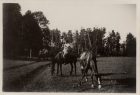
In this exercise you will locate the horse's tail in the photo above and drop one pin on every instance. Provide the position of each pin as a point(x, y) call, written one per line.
point(53, 66)
point(54, 60)
point(95, 61)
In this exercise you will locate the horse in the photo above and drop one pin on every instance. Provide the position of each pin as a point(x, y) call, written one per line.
point(65, 56)
point(88, 62)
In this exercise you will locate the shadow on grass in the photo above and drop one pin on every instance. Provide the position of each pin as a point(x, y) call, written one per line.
point(130, 82)
point(19, 66)
point(80, 75)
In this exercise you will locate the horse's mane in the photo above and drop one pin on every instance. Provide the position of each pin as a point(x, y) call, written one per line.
point(86, 54)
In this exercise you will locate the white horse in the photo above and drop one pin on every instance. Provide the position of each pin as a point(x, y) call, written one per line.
point(87, 62)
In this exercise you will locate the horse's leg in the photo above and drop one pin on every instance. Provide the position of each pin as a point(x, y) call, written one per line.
point(75, 66)
point(98, 78)
point(61, 69)
point(82, 71)
point(99, 82)
point(92, 74)
point(83, 75)
point(86, 73)
point(52, 67)
point(87, 67)
point(57, 68)
point(71, 68)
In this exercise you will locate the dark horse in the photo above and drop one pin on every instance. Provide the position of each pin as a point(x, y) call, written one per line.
point(66, 56)
point(88, 62)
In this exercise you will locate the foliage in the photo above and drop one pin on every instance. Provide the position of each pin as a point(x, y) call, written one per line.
point(55, 37)
point(130, 45)
point(43, 24)
point(27, 34)
point(32, 36)
point(113, 44)
point(11, 29)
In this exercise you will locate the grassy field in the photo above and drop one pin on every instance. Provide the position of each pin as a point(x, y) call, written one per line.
point(118, 75)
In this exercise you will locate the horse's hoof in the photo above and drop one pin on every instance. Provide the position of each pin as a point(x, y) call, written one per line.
point(99, 86)
point(92, 86)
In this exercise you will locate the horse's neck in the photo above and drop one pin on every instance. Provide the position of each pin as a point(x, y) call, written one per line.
point(86, 55)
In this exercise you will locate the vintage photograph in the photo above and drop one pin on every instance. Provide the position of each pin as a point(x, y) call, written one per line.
point(69, 46)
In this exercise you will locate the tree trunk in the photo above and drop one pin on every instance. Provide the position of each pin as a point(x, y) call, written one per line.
point(30, 56)
point(89, 41)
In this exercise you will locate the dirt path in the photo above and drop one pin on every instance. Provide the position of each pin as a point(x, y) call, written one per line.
point(15, 79)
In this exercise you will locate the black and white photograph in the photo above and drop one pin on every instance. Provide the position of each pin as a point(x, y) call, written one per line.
point(69, 46)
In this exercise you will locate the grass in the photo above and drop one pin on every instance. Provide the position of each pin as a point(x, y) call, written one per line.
point(118, 75)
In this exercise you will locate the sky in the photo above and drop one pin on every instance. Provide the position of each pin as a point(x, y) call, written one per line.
point(74, 15)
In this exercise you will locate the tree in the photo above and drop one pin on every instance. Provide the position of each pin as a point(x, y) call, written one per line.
point(113, 44)
point(95, 39)
point(55, 37)
point(41, 19)
point(43, 24)
point(100, 40)
point(82, 40)
point(11, 29)
point(123, 48)
point(69, 37)
point(117, 43)
point(130, 45)
point(76, 40)
point(92, 39)
point(32, 34)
